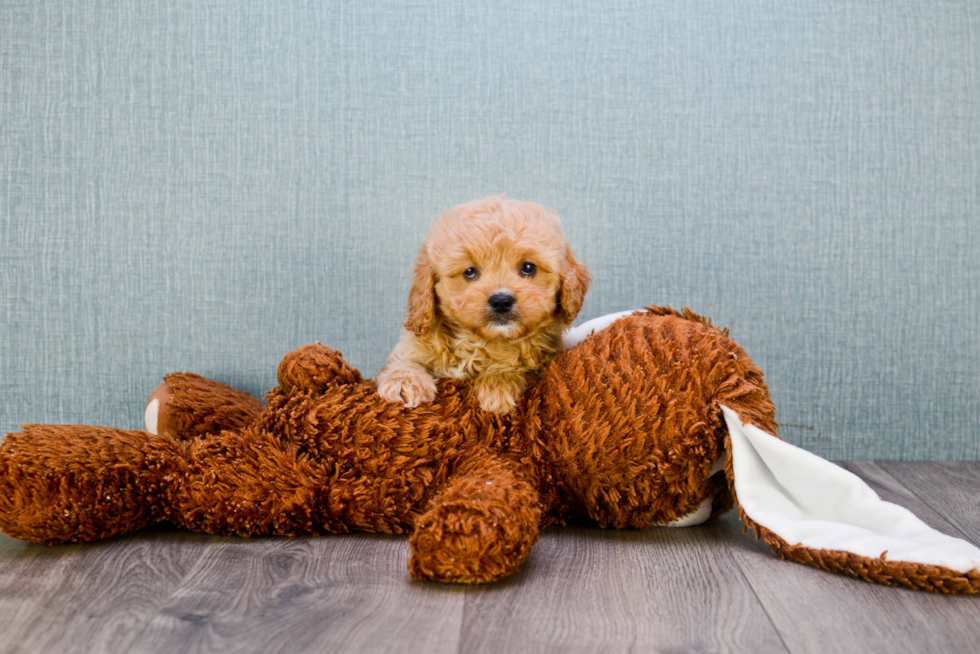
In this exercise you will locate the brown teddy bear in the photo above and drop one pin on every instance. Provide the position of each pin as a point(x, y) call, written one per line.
point(632, 427)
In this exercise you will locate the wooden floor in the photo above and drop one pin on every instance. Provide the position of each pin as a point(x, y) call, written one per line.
point(699, 589)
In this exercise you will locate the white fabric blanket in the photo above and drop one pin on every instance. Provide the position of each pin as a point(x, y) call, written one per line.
point(809, 501)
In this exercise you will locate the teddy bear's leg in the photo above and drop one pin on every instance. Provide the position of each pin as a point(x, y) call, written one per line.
point(480, 527)
point(70, 483)
point(246, 482)
point(188, 405)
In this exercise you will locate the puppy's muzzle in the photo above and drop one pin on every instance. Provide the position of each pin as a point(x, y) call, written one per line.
point(501, 303)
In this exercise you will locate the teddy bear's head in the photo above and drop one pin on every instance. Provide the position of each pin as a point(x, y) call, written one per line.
point(627, 446)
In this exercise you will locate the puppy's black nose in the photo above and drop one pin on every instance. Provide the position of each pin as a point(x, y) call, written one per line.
point(501, 303)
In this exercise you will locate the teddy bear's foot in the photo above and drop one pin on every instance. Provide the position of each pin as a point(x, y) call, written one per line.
point(187, 405)
point(71, 483)
point(480, 528)
point(158, 422)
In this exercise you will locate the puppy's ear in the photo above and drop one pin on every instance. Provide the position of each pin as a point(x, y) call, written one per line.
point(575, 281)
point(422, 296)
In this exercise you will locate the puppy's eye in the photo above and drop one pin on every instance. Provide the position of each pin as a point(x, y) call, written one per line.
point(471, 273)
point(528, 268)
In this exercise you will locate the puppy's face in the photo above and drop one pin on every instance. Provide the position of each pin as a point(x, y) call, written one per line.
point(501, 269)
point(493, 286)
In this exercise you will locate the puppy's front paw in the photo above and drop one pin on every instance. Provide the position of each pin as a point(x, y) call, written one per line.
point(410, 387)
point(499, 399)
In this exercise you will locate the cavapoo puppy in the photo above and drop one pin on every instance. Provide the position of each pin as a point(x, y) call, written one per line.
point(494, 286)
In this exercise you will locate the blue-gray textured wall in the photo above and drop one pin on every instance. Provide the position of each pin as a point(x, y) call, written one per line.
point(205, 185)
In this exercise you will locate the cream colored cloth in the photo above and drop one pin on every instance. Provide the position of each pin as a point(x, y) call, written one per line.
point(809, 501)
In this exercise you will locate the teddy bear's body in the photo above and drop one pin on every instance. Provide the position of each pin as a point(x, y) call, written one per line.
point(623, 430)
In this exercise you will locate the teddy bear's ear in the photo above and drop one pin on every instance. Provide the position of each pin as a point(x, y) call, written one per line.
point(421, 296)
point(575, 281)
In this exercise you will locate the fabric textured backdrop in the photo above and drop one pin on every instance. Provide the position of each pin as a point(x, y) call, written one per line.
point(206, 185)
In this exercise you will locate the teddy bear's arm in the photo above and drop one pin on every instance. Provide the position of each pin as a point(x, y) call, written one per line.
point(314, 367)
point(481, 526)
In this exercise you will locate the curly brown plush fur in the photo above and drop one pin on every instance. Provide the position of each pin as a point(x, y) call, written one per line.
point(623, 430)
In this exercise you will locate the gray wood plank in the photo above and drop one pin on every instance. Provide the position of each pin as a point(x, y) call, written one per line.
point(704, 588)
point(330, 594)
point(816, 611)
point(951, 488)
point(27, 574)
point(591, 590)
point(89, 597)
